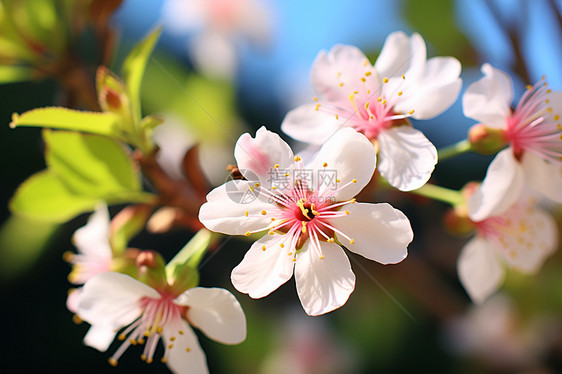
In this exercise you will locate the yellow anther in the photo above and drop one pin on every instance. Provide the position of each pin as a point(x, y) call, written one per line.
point(290, 254)
point(303, 229)
point(159, 330)
point(338, 180)
point(140, 341)
point(559, 126)
point(149, 360)
point(347, 212)
point(170, 346)
point(385, 80)
point(163, 360)
point(112, 362)
point(399, 93)
point(384, 102)
point(276, 166)
point(282, 245)
point(263, 248)
point(325, 164)
point(172, 338)
point(297, 159)
point(246, 213)
point(549, 110)
point(548, 91)
point(331, 240)
point(543, 77)
point(379, 99)
point(371, 116)
point(366, 63)
point(317, 107)
point(294, 260)
point(122, 337)
point(351, 241)
point(337, 117)
point(353, 201)
point(411, 111)
point(133, 341)
point(272, 219)
point(271, 233)
point(363, 79)
point(367, 105)
point(76, 319)
point(274, 187)
point(341, 84)
point(257, 185)
point(355, 92)
point(354, 181)
point(143, 357)
point(547, 101)
point(529, 87)
point(247, 233)
point(368, 73)
point(368, 91)
point(251, 188)
point(339, 74)
point(315, 98)
point(321, 257)
point(286, 174)
point(188, 349)
point(68, 256)
point(403, 76)
point(556, 117)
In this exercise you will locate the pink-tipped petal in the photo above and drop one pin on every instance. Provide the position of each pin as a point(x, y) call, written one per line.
point(323, 284)
point(257, 156)
point(216, 312)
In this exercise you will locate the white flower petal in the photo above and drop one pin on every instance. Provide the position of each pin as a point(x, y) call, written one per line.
point(262, 272)
point(93, 238)
point(72, 299)
point(379, 231)
point(406, 157)
point(345, 65)
point(488, 99)
point(352, 156)
point(257, 156)
point(434, 91)
point(186, 355)
point(500, 189)
point(226, 207)
point(394, 58)
point(323, 284)
point(99, 337)
point(112, 300)
point(216, 312)
point(536, 237)
point(480, 272)
point(309, 125)
point(543, 176)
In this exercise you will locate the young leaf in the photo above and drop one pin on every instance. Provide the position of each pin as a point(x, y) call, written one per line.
point(90, 165)
point(133, 69)
point(44, 197)
point(105, 123)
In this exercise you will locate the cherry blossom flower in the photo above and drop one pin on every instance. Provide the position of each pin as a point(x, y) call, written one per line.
point(111, 301)
point(533, 132)
point(305, 212)
point(217, 25)
point(521, 238)
point(377, 101)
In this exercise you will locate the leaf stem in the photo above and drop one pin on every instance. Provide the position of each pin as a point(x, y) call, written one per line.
point(443, 194)
point(454, 150)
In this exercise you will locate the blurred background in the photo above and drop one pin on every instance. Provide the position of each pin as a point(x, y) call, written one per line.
point(225, 67)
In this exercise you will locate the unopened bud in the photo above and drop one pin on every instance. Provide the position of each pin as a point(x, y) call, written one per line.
point(146, 258)
point(457, 223)
point(486, 140)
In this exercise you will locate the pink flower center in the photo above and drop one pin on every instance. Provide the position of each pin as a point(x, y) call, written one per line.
point(158, 314)
point(533, 126)
point(300, 213)
point(370, 107)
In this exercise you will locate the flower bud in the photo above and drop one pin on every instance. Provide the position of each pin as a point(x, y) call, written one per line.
point(486, 140)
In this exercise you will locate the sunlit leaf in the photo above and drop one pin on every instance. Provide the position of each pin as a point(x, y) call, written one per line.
point(90, 165)
point(10, 74)
point(44, 197)
point(22, 242)
point(133, 69)
point(105, 123)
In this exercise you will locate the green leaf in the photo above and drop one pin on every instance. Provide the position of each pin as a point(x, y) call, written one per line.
point(126, 225)
point(91, 165)
point(10, 74)
point(44, 197)
point(133, 69)
point(105, 123)
point(22, 241)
